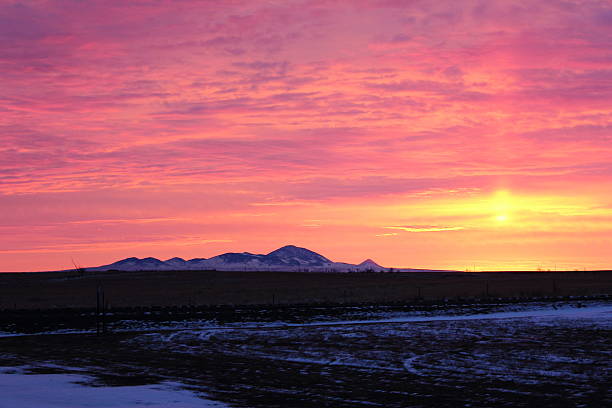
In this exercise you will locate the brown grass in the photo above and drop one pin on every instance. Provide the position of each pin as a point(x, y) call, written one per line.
point(129, 289)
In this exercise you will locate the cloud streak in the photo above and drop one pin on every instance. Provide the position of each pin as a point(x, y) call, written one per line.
point(316, 108)
point(425, 228)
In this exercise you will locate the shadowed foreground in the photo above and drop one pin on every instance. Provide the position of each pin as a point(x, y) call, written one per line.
point(146, 289)
point(546, 360)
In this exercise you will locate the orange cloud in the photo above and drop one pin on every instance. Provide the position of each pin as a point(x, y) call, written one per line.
point(364, 113)
point(425, 228)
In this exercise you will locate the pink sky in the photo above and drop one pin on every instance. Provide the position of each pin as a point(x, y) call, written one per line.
point(446, 134)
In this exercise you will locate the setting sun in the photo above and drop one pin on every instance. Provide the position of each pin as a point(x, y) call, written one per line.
point(501, 218)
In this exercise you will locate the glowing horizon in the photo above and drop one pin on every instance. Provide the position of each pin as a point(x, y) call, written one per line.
point(446, 135)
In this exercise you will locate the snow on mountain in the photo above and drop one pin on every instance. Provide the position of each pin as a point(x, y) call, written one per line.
point(296, 256)
point(369, 264)
point(131, 264)
point(176, 262)
point(287, 258)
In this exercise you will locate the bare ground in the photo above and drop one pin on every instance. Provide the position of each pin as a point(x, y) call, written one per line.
point(553, 361)
point(197, 288)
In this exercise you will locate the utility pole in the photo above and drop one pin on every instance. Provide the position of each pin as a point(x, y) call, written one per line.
point(103, 313)
point(98, 310)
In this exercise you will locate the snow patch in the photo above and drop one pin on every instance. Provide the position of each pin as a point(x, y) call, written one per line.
point(63, 391)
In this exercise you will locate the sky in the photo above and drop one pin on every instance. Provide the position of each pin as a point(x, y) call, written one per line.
point(466, 135)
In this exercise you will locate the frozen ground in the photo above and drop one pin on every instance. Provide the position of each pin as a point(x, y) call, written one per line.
point(555, 356)
point(71, 391)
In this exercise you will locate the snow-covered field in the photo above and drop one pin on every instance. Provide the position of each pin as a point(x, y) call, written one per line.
point(521, 355)
point(18, 390)
point(353, 343)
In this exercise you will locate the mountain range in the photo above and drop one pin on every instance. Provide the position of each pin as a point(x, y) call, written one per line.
point(287, 258)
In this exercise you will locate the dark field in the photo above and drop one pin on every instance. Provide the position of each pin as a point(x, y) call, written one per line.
point(192, 288)
point(540, 361)
point(301, 340)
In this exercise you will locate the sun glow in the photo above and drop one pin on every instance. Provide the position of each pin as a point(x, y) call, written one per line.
point(502, 205)
point(501, 218)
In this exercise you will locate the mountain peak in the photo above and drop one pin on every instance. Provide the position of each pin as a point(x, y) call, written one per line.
point(130, 259)
point(287, 248)
point(292, 250)
point(150, 258)
point(368, 263)
point(298, 255)
point(286, 258)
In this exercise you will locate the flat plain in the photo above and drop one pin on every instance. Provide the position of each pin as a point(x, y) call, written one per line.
point(240, 339)
point(175, 288)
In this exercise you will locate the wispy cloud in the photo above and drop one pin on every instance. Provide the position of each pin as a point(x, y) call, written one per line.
point(290, 203)
point(128, 220)
point(106, 245)
point(318, 109)
point(390, 234)
point(425, 228)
